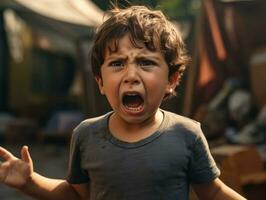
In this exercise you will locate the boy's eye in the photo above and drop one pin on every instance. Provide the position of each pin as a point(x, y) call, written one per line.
point(146, 63)
point(116, 64)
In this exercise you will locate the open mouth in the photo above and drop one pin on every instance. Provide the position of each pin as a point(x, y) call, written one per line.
point(133, 101)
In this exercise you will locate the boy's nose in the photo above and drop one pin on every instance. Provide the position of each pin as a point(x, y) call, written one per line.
point(131, 75)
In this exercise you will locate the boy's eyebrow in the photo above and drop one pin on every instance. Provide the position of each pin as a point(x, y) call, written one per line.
point(116, 56)
point(145, 53)
point(140, 55)
point(148, 57)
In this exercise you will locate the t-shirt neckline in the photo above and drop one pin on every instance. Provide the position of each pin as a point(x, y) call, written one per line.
point(142, 142)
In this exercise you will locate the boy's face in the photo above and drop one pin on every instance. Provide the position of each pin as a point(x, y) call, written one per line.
point(134, 81)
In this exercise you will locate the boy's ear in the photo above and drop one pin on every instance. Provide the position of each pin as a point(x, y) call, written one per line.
point(173, 81)
point(99, 81)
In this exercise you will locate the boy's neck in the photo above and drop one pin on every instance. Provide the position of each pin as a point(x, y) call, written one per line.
point(135, 132)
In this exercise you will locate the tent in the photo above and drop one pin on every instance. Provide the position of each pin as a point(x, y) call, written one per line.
point(65, 26)
point(68, 17)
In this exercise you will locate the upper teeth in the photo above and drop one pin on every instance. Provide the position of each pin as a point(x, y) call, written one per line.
point(131, 94)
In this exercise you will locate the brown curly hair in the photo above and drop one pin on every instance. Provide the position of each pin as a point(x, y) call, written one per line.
point(144, 25)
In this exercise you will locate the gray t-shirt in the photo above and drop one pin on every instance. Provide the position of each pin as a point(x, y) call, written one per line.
point(161, 166)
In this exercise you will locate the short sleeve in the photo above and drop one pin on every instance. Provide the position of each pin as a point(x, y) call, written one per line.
point(203, 168)
point(76, 175)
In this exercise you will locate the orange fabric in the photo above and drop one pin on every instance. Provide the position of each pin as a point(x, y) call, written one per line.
point(216, 34)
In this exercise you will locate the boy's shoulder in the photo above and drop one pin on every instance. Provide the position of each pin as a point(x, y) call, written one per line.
point(92, 125)
point(93, 122)
point(181, 119)
point(180, 122)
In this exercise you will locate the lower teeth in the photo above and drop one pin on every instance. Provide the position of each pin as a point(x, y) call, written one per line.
point(134, 108)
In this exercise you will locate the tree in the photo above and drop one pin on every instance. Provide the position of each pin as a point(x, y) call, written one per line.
point(106, 4)
point(179, 9)
point(174, 9)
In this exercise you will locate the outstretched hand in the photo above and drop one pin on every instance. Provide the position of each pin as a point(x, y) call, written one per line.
point(15, 172)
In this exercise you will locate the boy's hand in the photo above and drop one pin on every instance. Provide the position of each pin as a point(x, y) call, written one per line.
point(15, 172)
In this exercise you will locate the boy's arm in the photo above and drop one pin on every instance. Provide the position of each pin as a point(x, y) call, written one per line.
point(19, 174)
point(43, 188)
point(216, 190)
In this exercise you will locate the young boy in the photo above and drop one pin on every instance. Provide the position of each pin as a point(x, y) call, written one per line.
point(137, 151)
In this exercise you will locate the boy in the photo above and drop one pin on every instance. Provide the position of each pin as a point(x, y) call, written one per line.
point(137, 151)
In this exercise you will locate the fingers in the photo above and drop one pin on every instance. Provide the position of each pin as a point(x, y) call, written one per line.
point(6, 155)
point(25, 155)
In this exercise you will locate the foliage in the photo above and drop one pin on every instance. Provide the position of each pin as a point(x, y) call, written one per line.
point(106, 4)
point(174, 9)
point(179, 9)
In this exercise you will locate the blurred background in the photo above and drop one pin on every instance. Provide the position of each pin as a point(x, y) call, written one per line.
point(47, 87)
